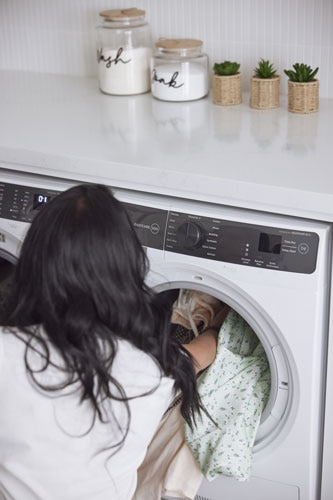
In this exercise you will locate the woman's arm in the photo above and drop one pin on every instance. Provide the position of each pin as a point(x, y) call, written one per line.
point(203, 348)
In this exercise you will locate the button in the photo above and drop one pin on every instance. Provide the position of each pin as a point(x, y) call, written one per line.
point(303, 248)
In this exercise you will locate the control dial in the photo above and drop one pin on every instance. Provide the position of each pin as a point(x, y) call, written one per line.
point(190, 235)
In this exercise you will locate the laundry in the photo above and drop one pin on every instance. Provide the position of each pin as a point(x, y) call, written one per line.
point(195, 310)
point(234, 390)
point(169, 468)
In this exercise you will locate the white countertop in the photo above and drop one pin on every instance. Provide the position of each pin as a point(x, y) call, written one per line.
point(269, 160)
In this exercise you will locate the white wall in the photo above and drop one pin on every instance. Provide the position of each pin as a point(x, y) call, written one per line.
point(57, 36)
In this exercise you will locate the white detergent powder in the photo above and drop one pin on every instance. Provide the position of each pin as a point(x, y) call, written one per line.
point(183, 82)
point(124, 72)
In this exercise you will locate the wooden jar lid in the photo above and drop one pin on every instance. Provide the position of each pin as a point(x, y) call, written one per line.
point(176, 44)
point(122, 14)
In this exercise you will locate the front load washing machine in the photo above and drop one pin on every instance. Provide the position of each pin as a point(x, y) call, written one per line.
point(273, 270)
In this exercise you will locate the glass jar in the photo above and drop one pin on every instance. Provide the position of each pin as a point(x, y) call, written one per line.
point(179, 70)
point(124, 49)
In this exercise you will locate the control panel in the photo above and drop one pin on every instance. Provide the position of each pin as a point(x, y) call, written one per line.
point(22, 203)
point(252, 245)
point(223, 240)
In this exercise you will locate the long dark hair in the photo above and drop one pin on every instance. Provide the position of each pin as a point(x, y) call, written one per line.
point(81, 275)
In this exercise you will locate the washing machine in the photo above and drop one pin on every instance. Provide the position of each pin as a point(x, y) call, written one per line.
point(273, 270)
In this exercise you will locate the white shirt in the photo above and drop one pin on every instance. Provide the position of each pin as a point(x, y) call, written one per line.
point(46, 449)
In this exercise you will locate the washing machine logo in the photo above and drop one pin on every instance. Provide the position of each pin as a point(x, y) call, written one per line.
point(155, 228)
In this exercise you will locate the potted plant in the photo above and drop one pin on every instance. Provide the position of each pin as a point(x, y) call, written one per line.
point(227, 84)
point(303, 89)
point(265, 86)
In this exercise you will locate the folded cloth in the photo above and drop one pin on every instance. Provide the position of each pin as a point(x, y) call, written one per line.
point(169, 467)
point(193, 308)
point(234, 390)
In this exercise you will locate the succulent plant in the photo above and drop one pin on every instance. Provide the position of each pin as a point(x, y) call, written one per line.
point(301, 73)
point(226, 68)
point(265, 69)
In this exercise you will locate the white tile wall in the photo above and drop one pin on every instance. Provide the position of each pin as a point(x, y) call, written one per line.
point(58, 36)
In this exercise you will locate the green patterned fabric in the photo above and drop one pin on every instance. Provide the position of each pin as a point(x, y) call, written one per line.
point(234, 390)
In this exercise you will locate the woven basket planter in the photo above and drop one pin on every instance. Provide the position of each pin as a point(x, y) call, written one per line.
point(227, 90)
point(303, 97)
point(265, 92)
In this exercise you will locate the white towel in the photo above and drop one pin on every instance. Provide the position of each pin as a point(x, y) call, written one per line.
point(169, 468)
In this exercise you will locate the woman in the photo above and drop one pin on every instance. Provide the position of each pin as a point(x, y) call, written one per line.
point(87, 364)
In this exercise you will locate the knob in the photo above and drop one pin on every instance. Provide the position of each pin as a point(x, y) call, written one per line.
point(190, 235)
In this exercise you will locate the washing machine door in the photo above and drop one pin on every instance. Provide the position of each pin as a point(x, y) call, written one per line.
point(278, 416)
point(282, 403)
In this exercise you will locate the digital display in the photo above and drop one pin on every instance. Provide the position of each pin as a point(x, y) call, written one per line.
point(270, 243)
point(40, 200)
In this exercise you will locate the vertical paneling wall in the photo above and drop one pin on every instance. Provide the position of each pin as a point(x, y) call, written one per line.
point(57, 36)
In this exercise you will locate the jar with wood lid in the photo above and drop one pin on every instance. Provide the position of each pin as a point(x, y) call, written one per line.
point(179, 70)
point(124, 50)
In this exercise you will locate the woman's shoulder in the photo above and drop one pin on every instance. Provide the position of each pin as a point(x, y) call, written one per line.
point(130, 355)
point(8, 336)
point(11, 351)
point(137, 369)
point(14, 342)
